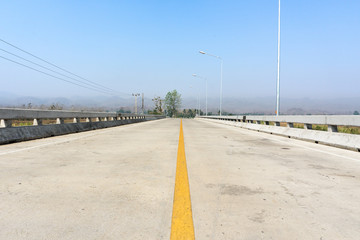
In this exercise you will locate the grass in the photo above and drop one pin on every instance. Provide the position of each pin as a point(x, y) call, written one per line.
point(351, 130)
point(341, 129)
point(298, 125)
point(320, 127)
point(21, 123)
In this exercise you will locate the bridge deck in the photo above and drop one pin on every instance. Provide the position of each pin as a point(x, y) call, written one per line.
point(118, 183)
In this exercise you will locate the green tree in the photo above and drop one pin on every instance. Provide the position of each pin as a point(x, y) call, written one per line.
point(172, 103)
point(187, 113)
point(191, 113)
point(356, 113)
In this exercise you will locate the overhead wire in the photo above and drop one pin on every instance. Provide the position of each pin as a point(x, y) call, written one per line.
point(39, 58)
point(37, 70)
point(50, 69)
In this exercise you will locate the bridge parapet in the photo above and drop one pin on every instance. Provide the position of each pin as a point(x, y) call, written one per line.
point(329, 120)
point(26, 124)
point(302, 127)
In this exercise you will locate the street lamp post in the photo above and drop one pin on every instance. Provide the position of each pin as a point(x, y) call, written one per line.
point(198, 106)
point(197, 103)
point(206, 93)
point(221, 74)
point(278, 69)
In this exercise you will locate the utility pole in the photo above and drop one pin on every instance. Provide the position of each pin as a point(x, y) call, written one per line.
point(136, 95)
point(142, 103)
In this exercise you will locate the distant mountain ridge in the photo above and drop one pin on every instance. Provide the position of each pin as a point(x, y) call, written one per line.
point(260, 105)
point(296, 106)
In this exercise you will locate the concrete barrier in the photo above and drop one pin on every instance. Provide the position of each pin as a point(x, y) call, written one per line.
point(65, 122)
point(330, 137)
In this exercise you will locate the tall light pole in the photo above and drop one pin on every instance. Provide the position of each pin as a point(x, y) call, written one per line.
point(136, 95)
point(221, 74)
point(278, 70)
point(197, 105)
point(206, 92)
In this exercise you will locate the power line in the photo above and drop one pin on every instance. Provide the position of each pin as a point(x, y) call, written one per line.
point(94, 89)
point(52, 70)
point(51, 63)
point(39, 58)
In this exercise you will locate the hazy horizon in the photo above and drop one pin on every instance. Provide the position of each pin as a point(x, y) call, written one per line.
point(264, 105)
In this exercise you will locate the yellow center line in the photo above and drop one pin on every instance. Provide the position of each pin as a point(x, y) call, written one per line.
point(182, 226)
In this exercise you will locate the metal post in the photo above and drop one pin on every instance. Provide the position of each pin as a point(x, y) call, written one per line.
point(221, 83)
point(278, 70)
point(199, 104)
point(206, 92)
point(196, 108)
point(221, 76)
point(206, 101)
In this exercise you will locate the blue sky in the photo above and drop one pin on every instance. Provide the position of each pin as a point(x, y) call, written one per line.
point(152, 46)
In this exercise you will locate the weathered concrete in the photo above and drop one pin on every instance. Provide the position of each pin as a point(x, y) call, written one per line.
point(18, 134)
point(250, 185)
point(105, 184)
point(10, 134)
point(336, 120)
point(118, 183)
point(332, 138)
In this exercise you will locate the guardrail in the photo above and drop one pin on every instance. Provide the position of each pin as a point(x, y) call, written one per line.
point(26, 124)
point(301, 127)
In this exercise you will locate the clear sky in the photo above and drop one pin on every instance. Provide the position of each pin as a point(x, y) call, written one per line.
point(153, 46)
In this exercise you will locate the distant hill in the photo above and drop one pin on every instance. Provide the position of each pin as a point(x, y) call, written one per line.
point(261, 105)
point(266, 105)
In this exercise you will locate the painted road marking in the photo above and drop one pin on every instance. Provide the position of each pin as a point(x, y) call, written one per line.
point(182, 226)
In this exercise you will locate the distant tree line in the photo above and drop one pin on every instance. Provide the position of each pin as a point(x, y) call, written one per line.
point(187, 113)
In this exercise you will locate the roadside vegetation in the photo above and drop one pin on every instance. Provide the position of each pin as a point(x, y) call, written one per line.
point(158, 110)
point(341, 129)
point(187, 113)
point(172, 103)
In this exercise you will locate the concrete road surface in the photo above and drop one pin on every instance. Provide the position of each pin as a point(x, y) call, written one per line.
point(118, 183)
